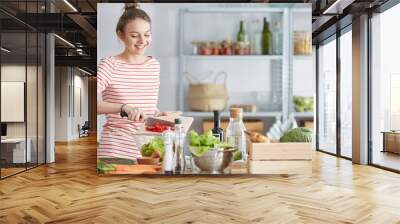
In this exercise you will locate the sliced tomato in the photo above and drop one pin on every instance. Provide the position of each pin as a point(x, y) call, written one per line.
point(158, 127)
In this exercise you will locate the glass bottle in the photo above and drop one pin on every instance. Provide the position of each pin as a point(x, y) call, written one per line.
point(168, 136)
point(241, 35)
point(277, 38)
point(266, 38)
point(256, 38)
point(179, 157)
point(235, 134)
point(217, 130)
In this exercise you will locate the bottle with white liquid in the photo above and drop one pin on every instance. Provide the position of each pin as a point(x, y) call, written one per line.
point(179, 138)
point(168, 136)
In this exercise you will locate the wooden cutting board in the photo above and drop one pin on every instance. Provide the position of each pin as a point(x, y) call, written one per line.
point(186, 123)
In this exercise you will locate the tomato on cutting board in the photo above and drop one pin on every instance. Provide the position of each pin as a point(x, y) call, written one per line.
point(158, 127)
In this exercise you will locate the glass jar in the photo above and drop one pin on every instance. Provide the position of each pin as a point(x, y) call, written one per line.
point(205, 48)
point(226, 47)
point(302, 43)
point(195, 49)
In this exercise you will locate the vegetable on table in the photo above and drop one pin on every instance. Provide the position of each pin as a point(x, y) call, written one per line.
point(298, 135)
point(155, 148)
point(257, 137)
point(237, 155)
point(200, 144)
point(158, 127)
point(103, 167)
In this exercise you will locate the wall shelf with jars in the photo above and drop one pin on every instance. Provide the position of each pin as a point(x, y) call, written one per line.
point(252, 45)
point(233, 57)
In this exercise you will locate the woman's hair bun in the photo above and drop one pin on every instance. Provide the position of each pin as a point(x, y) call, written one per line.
point(129, 6)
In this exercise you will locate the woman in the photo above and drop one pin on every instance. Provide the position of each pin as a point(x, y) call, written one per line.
point(128, 84)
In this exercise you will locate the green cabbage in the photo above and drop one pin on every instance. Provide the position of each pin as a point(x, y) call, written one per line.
point(298, 135)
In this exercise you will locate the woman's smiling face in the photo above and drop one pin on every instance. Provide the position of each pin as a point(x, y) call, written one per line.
point(136, 36)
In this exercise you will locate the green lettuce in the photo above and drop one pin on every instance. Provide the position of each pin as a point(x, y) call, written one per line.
point(200, 144)
point(199, 150)
point(156, 144)
point(103, 168)
point(206, 139)
point(194, 138)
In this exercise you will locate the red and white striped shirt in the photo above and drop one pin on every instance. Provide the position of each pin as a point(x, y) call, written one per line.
point(125, 83)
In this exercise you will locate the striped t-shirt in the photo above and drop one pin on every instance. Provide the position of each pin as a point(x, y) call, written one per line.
point(125, 83)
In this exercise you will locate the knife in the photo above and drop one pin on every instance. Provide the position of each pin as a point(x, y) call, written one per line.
point(150, 121)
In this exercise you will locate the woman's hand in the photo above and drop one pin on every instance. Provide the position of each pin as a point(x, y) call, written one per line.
point(134, 114)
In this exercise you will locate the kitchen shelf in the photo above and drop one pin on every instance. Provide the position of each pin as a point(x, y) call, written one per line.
point(303, 114)
point(233, 57)
point(226, 114)
point(277, 69)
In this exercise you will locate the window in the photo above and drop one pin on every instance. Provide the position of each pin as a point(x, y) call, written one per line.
point(385, 89)
point(346, 95)
point(22, 75)
point(327, 96)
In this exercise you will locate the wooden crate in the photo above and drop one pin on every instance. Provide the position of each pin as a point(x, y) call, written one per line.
point(281, 167)
point(280, 158)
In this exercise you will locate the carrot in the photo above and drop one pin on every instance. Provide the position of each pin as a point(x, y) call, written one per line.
point(136, 169)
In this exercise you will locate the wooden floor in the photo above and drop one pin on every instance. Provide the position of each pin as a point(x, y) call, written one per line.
point(10, 171)
point(70, 191)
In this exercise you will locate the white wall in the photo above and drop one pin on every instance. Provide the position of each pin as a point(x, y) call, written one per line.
point(67, 85)
point(33, 127)
point(61, 104)
point(17, 73)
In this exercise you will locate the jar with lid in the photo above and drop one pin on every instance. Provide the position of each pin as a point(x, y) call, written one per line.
point(302, 43)
point(226, 47)
point(235, 132)
point(205, 48)
point(215, 48)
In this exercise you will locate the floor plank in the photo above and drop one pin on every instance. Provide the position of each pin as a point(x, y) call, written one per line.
point(70, 191)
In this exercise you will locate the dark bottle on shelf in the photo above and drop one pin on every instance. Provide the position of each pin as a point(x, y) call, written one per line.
point(217, 130)
point(266, 38)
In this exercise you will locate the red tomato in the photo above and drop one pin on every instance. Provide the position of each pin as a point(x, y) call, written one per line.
point(158, 127)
